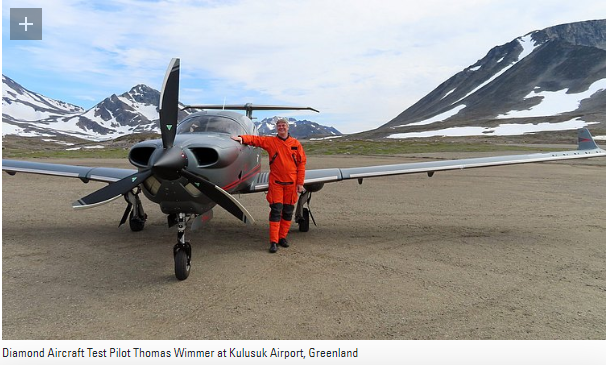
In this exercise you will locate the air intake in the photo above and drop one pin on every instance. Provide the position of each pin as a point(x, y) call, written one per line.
point(140, 156)
point(205, 156)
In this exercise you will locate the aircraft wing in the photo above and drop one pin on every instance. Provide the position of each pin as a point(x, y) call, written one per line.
point(86, 174)
point(587, 149)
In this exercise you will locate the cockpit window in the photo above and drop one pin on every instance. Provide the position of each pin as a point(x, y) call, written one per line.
point(199, 124)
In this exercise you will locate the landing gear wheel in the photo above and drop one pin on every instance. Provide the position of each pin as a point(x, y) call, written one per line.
point(136, 223)
point(304, 222)
point(182, 261)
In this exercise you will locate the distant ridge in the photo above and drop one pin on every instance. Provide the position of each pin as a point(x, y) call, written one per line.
point(300, 129)
point(26, 113)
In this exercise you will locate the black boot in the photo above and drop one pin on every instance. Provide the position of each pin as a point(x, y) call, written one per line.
point(283, 243)
point(273, 247)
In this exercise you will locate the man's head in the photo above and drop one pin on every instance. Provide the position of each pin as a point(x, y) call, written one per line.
point(282, 127)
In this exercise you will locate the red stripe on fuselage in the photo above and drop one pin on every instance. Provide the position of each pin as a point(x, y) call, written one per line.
point(253, 172)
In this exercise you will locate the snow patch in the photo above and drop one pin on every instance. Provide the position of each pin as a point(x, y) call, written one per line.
point(325, 138)
point(8, 129)
point(448, 93)
point(528, 46)
point(439, 117)
point(58, 142)
point(555, 102)
point(508, 129)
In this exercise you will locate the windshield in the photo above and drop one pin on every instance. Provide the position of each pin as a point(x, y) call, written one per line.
point(205, 123)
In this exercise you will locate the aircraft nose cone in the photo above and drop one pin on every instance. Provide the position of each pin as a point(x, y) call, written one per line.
point(170, 164)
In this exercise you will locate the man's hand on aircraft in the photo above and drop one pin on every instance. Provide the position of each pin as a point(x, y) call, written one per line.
point(237, 138)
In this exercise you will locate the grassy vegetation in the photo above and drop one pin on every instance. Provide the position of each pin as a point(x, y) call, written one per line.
point(109, 153)
point(393, 147)
point(32, 147)
point(35, 148)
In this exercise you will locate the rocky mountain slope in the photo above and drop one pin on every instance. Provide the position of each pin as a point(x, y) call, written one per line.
point(548, 80)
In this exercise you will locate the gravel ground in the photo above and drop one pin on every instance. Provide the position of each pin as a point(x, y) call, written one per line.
point(514, 252)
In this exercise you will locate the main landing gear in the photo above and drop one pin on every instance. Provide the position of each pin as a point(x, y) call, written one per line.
point(134, 211)
point(303, 212)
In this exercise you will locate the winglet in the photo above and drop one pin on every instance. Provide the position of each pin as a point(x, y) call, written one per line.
point(586, 141)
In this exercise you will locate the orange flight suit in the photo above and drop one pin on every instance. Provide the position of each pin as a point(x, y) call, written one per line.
point(286, 170)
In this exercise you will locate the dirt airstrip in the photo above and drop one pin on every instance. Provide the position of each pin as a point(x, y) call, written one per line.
point(515, 252)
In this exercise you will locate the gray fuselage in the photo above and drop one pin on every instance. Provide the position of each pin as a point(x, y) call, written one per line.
point(204, 138)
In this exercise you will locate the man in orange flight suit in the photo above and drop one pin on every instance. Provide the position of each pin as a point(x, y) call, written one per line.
point(286, 177)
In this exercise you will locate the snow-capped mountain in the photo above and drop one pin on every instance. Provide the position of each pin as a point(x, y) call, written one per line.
point(27, 105)
point(132, 112)
point(26, 113)
point(299, 129)
point(548, 80)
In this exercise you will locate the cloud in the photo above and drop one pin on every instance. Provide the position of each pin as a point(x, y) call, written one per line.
point(360, 63)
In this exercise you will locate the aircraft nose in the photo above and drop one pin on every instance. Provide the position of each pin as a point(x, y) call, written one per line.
point(169, 165)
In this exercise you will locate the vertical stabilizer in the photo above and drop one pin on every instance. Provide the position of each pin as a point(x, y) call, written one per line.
point(586, 141)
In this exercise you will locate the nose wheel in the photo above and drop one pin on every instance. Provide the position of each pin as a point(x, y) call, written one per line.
point(182, 260)
point(182, 250)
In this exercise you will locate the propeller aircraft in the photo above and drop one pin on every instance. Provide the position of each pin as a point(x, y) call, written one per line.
point(196, 166)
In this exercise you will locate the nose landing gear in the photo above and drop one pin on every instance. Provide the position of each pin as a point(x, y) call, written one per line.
point(182, 250)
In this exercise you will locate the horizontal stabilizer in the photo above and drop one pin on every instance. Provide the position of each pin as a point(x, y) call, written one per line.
point(248, 107)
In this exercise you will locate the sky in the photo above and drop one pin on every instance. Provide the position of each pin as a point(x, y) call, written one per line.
point(361, 63)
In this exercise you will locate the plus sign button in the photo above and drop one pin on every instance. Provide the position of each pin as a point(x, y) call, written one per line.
point(26, 23)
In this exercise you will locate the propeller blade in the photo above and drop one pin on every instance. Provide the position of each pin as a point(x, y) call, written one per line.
point(169, 104)
point(111, 191)
point(219, 196)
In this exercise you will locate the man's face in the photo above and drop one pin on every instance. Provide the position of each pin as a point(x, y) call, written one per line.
point(282, 128)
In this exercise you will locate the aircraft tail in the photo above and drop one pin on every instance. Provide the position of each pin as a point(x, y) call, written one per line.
point(586, 141)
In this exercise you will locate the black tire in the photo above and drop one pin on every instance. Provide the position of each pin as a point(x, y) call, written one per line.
point(136, 224)
point(182, 265)
point(304, 222)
